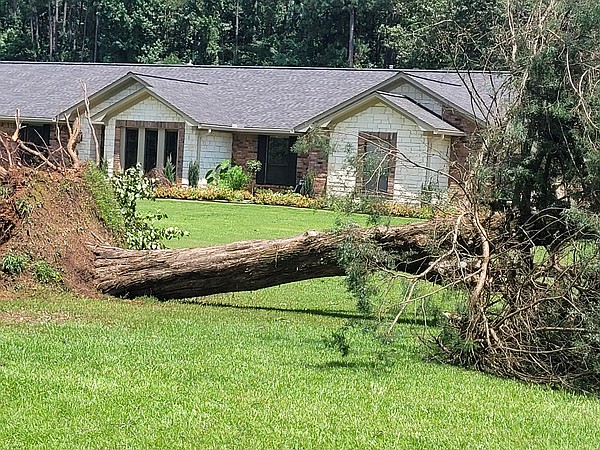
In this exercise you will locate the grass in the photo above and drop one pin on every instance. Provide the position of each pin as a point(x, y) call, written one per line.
point(251, 370)
point(213, 223)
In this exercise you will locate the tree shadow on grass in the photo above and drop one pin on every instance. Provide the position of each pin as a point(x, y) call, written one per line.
point(314, 312)
point(343, 365)
point(311, 311)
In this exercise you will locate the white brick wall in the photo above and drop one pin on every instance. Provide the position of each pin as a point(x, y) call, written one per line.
point(147, 110)
point(87, 148)
point(214, 146)
point(413, 146)
point(208, 148)
point(419, 96)
point(438, 159)
point(119, 95)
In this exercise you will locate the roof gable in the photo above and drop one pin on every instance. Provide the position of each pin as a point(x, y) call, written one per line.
point(476, 94)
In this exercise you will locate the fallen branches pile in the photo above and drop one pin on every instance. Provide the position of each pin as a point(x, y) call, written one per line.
point(16, 153)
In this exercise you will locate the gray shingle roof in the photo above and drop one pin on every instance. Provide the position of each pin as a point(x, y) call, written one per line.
point(251, 97)
point(255, 97)
point(420, 113)
point(476, 93)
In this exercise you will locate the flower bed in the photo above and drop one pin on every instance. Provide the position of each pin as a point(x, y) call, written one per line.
point(268, 197)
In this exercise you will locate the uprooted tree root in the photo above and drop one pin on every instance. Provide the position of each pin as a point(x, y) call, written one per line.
point(52, 217)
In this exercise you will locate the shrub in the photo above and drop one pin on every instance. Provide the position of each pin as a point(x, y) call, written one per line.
point(203, 193)
point(140, 230)
point(213, 176)
point(253, 166)
point(308, 184)
point(194, 173)
point(169, 171)
point(14, 263)
point(268, 197)
point(45, 273)
point(235, 178)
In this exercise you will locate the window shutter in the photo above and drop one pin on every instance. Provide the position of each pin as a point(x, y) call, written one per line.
point(292, 161)
point(263, 142)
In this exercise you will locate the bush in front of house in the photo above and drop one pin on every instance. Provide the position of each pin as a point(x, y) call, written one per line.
point(269, 197)
point(210, 193)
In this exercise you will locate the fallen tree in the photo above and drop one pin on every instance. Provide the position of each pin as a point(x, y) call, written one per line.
point(249, 265)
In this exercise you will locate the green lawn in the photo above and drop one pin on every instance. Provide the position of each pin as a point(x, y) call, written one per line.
point(219, 223)
point(251, 371)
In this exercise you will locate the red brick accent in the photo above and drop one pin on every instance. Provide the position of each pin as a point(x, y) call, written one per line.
point(245, 148)
point(56, 138)
point(7, 127)
point(461, 147)
point(313, 162)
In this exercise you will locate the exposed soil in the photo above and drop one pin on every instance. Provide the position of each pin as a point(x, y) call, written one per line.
point(51, 216)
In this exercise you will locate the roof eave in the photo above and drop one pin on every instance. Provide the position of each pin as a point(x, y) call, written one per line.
point(248, 130)
point(11, 119)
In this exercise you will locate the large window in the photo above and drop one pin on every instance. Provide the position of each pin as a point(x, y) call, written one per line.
point(149, 146)
point(377, 162)
point(278, 162)
point(131, 147)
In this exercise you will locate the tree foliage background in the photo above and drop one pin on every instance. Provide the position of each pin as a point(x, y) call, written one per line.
point(404, 33)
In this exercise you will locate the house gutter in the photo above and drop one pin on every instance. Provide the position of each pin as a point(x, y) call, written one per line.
point(29, 119)
point(248, 130)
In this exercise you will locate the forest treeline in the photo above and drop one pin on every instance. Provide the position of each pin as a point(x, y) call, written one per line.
point(330, 33)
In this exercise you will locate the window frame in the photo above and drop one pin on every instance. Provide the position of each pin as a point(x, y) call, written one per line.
point(367, 138)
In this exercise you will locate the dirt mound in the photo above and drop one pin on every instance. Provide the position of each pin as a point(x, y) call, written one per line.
point(51, 217)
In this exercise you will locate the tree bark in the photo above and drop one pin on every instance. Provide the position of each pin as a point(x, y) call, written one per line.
point(250, 265)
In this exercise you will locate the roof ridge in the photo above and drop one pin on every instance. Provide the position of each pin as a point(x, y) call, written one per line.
point(200, 66)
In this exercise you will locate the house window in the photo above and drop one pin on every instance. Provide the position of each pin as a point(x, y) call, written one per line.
point(171, 139)
point(131, 147)
point(150, 149)
point(149, 146)
point(38, 135)
point(278, 162)
point(376, 162)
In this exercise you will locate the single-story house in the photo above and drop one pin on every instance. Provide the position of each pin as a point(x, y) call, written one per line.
point(148, 113)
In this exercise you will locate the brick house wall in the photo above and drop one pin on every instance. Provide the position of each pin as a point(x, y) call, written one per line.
point(463, 146)
point(313, 162)
point(57, 137)
point(245, 148)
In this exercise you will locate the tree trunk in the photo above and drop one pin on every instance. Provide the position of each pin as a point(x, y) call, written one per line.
point(250, 265)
